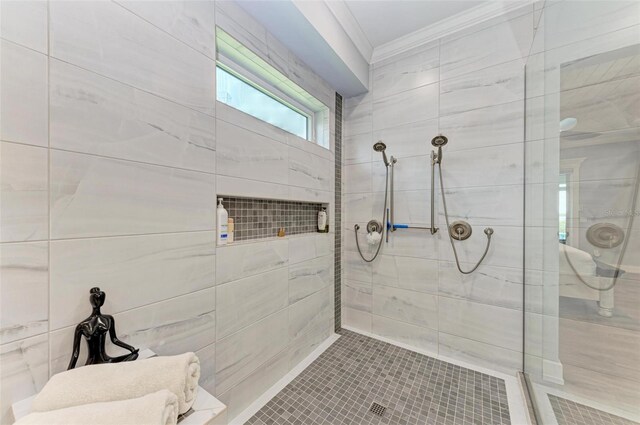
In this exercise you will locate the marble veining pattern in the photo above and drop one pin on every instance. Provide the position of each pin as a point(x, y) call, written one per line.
point(97, 115)
point(131, 164)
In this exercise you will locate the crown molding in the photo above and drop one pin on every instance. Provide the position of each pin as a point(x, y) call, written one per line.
point(460, 21)
point(348, 22)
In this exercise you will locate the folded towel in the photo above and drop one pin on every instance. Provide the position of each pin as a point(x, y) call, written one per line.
point(159, 408)
point(121, 381)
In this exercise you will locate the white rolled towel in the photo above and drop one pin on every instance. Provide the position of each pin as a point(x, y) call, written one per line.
point(121, 381)
point(159, 408)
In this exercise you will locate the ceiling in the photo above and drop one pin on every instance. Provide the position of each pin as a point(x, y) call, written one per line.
point(384, 20)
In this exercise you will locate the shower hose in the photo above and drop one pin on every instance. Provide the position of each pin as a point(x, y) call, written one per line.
point(488, 231)
point(384, 221)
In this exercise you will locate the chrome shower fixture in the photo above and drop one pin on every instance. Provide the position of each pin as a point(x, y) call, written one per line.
point(439, 141)
point(458, 230)
point(380, 147)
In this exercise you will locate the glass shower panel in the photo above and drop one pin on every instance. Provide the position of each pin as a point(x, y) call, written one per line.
point(582, 235)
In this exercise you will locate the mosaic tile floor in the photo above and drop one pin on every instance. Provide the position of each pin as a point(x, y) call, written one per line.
point(340, 386)
point(571, 413)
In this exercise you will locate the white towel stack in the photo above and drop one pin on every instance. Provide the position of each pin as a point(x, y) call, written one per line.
point(159, 408)
point(118, 388)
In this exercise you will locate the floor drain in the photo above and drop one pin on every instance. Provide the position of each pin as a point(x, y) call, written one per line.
point(377, 409)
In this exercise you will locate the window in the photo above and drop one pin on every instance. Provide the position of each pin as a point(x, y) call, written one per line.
point(248, 83)
point(239, 93)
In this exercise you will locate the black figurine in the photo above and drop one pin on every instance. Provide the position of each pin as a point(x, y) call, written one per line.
point(94, 328)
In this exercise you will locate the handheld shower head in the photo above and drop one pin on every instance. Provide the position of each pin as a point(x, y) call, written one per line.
point(380, 147)
point(439, 141)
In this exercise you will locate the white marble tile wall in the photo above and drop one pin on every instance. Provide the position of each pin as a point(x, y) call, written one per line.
point(468, 86)
point(112, 150)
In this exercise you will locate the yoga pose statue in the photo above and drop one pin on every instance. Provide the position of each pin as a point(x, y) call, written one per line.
point(94, 328)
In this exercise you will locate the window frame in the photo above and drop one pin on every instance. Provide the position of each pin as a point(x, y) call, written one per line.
point(263, 86)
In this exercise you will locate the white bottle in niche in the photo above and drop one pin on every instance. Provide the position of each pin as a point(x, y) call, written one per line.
point(222, 223)
point(322, 220)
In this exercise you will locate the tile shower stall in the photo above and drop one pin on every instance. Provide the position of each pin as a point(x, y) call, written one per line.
point(115, 144)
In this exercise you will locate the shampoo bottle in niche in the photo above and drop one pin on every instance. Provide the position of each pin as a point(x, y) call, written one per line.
point(230, 230)
point(322, 220)
point(222, 223)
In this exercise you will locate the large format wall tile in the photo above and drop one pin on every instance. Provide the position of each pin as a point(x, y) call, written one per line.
point(192, 22)
point(505, 249)
point(416, 274)
point(239, 354)
point(568, 22)
point(490, 166)
point(307, 247)
point(309, 277)
point(496, 44)
point(24, 369)
point(358, 116)
point(106, 38)
point(313, 312)
point(407, 306)
point(309, 170)
point(301, 347)
point(494, 125)
point(256, 383)
point(484, 206)
point(479, 353)
point(405, 108)
point(24, 291)
point(357, 295)
point(25, 23)
point(412, 173)
point(415, 336)
point(243, 302)
point(132, 270)
point(207, 357)
point(413, 243)
point(174, 326)
point(23, 99)
point(407, 140)
point(238, 261)
point(357, 149)
point(499, 286)
point(484, 323)
point(410, 206)
point(240, 187)
point(356, 319)
point(24, 193)
point(498, 84)
point(409, 70)
point(97, 115)
point(357, 178)
point(243, 153)
point(94, 196)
